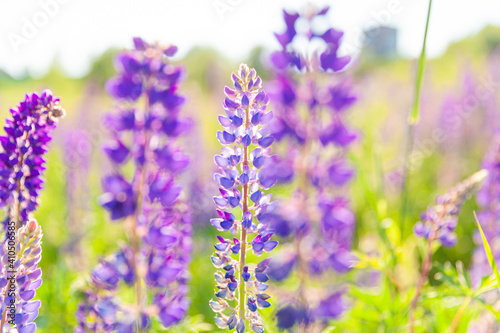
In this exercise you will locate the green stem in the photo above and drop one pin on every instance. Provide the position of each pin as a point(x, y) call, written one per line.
point(413, 119)
point(243, 232)
point(243, 242)
point(459, 314)
point(135, 239)
point(415, 115)
point(404, 199)
point(426, 267)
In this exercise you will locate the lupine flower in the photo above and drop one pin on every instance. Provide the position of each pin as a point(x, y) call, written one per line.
point(438, 224)
point(22, 163)
point(28, 278)
point(246, 139)
point(440, 220)
point(311, 99)
point(154, 260)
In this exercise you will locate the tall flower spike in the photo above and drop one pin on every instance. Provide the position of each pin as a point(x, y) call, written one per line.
point(154, 259)
point(241, 285)
point(24, 146)
point(438, 224)
point(311, 101)
point(22, 161)
point(440, 221)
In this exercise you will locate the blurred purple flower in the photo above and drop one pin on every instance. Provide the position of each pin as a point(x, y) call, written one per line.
point(330, 307)
point(118, 197)
point(289, 316)
point(310, 122)
point(155, 260)
point(440, 220)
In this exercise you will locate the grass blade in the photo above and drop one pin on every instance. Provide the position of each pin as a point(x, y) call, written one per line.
point(413, 118)
point(415, 114)
point(489, 254)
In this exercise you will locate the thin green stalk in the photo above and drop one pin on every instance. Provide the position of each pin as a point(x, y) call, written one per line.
point(243, 232)
point(415, 114)
point(135, 239)
point(426, 267)
point(404, 198)
point(135, 242)
point(489, 253)
point(459, 314)
point(413, 118)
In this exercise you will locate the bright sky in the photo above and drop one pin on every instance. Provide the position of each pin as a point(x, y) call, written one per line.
point(35, 32)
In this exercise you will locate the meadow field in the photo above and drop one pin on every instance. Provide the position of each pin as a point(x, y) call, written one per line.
point(375, 165)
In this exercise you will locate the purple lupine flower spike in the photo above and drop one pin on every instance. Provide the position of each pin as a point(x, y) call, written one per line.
point(19, 306)
point(440, 220)
point(311, 100)
point(22, 163)
point(240, 285)
point(439, 223)
point(154, 260)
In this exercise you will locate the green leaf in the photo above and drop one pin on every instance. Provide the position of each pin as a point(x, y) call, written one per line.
point(489, 254)
point(487, 283)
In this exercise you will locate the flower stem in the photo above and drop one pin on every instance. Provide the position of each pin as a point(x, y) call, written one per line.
point(404, 189)
point(426, 266)
point(301, 272)
point(243, 234)
point(459, 314)
point(413, 118)
point(243, 241)
point(135, 237)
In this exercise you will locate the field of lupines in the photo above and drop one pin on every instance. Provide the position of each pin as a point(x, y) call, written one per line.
point(299, 191)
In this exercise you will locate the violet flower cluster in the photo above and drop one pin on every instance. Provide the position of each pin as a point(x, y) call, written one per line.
point(438, 224)
point(22, 160)
point(18, 307)
point(488, 198)
point(22, 163)
point(240, 285)
point(311, 97)
point(154, 260)
point(439, 221)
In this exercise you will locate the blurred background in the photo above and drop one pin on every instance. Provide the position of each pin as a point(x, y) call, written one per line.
point(68, 47)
